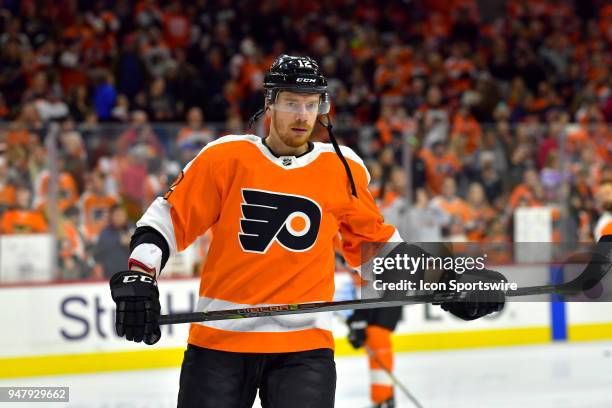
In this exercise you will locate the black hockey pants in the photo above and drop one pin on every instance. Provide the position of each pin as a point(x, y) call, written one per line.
point(220, 379)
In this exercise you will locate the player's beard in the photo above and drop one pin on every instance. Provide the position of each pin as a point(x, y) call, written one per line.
point(607, 206)
point(289, 136)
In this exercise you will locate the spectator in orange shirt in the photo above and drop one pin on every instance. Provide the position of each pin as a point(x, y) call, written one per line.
point(480, 212)
point(385, 131)
point(498, 243)
point(19, 131)
point(7, 189)
point(67, 194)
point(95, 206)
point(393, 187)
point(605, 22)
point(71, 246)
point(529, 193)
point(466, 128)
point(451, 204)
point(390, 77)
point(460, 70)
point(439, 164)
point(393, 126)
point(382, 191)
point(22, 219)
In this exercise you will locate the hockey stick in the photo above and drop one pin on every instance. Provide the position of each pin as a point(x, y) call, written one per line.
point(394, 379)
point(597, 268)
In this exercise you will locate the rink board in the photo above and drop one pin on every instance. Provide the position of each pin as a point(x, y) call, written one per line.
point(68, 328)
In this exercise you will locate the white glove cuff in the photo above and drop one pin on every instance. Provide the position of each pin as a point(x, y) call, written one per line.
point(148, 255)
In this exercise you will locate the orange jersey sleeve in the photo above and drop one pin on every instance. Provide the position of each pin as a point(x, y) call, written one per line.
point(362, 222)
point(195, 199)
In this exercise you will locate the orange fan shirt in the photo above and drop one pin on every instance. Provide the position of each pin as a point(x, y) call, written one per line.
point(67, 194)
point(23, 222)
point(8, 194)
point(273, 221)
point(95, 210)
point(438, 168)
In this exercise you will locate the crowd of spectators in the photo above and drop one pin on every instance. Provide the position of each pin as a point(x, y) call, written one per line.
point(499, 105)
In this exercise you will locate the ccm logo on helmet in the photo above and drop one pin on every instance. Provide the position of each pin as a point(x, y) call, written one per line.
point(134, 278)
point(293, 221)
point(305, 80)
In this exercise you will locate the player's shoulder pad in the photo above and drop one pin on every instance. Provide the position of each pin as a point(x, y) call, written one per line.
point(228, 141)
point(348, 154)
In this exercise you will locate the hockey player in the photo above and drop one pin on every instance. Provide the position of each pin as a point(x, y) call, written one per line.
point(274, 206)
point(372, 328)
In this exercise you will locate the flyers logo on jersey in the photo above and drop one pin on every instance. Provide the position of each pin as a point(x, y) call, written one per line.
point(293, 221)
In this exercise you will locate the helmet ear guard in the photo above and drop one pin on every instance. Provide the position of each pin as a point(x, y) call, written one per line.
point(324, 104)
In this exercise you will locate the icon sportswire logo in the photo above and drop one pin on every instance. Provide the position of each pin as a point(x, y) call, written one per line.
point(291, 220)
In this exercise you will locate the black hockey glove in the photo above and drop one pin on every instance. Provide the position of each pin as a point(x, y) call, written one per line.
point(138, 309)
point(478, 303)
point(357, 324)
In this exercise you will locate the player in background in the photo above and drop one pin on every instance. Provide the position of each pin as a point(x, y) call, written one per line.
point(274, 206)
point(372, 328)
point(604, 224)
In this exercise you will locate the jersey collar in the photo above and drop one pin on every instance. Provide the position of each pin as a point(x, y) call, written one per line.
point(288, 162)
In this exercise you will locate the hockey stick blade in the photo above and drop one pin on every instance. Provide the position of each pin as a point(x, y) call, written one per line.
point(599, 265)
point(597, 268)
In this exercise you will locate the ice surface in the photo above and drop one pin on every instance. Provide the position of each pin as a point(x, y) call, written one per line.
point(558, 375)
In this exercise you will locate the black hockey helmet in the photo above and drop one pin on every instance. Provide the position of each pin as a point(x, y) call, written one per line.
point(296, 74)
point(302, 75)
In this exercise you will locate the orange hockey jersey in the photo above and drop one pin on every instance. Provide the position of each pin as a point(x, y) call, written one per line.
point(273, 223)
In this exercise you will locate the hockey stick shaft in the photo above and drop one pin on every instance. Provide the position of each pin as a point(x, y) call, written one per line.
point(597, 268)
point(298, 308)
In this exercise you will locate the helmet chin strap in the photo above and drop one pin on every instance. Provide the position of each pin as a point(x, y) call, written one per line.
point(328, 125)
point(256, 117)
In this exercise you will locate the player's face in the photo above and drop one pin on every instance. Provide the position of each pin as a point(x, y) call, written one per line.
point(293, 117)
